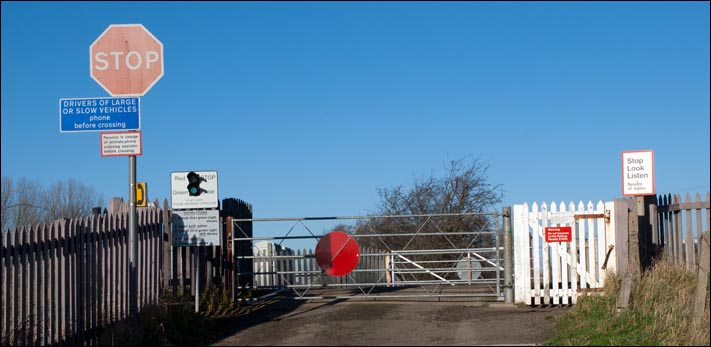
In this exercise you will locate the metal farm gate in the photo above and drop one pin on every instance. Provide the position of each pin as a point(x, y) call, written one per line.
point(430, 256)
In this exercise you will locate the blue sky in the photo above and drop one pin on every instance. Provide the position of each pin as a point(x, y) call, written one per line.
point(306, 109)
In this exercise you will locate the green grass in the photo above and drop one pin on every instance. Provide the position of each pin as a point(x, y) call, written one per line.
point(660, 314)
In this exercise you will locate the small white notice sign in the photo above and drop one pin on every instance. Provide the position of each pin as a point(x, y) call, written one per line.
point(115, 144)
point(638, 173)
point(562, 218)
point(180, 198)
point(196, 228)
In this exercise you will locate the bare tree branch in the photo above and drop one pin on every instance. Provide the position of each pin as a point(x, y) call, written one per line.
point(26, 195)
point(70, 199)
point(6, 196)
point(26, 202)
point(463, 189)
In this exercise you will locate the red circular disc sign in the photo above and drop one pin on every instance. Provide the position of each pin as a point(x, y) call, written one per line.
point(337, 253)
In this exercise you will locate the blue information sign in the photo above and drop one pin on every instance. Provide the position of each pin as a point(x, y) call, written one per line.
point(99, 114)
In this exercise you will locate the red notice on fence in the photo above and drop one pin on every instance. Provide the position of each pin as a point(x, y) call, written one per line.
point(559, 234)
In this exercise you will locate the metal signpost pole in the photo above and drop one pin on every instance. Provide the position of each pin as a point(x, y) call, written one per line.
point(197, 279)
point(132, 237)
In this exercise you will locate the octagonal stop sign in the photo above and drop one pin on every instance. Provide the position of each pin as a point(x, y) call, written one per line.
point(126, 59)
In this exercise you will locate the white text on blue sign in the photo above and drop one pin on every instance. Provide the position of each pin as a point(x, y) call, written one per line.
point(99, 114)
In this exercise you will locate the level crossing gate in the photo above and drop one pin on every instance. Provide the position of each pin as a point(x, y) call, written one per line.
point(415, 256)
point(557, 273)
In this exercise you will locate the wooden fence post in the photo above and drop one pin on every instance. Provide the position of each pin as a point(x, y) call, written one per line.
point(628, 250)
point(167, 243)
point(228, 262)
point(702, 275)
point(388, 275)
point(633, 249)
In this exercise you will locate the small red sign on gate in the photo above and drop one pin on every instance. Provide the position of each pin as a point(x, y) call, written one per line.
point(559, 234)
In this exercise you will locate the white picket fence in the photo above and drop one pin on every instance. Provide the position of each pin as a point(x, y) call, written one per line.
point(557, 272)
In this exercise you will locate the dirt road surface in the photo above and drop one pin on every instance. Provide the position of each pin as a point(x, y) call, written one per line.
point(389, 323)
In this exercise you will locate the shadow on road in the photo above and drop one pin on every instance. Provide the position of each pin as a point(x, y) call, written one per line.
point(260, 312)
point(385, 320)
point(282, 306)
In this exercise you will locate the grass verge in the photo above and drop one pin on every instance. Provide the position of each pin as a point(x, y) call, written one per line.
point(660, 314)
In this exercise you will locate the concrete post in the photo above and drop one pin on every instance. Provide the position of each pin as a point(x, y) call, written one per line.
point(508, 256)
